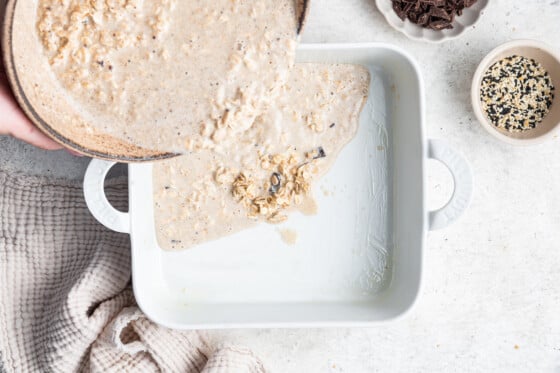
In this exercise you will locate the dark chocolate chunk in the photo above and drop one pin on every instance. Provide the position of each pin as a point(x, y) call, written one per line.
point(320, 153)
point(432, 14)
point(275, 183)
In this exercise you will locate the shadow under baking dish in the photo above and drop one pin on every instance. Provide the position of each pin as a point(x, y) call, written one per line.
point(357, 261)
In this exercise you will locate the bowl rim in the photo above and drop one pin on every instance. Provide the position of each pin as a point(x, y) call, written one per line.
point(424, 38)
point(475, 91)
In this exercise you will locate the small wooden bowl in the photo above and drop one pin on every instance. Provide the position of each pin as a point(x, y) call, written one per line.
point(550, 61)
point(47, 107)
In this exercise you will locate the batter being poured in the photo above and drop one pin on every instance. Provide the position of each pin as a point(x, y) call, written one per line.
point(216, 82)
point(269, 169)
point(161, 73)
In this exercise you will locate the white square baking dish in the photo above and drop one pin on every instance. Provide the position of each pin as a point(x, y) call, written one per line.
point(357, 262)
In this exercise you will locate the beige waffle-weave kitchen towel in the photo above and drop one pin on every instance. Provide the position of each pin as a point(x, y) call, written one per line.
point(65, 298)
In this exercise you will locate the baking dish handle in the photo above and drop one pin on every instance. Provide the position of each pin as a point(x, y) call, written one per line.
point(462, 178)
point(94, 193)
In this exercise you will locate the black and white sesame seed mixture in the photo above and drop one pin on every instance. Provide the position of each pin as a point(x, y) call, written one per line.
point(516, 93)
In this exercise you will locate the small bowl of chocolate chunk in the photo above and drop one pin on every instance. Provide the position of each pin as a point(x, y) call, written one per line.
point(432, 20)
point(513, 92)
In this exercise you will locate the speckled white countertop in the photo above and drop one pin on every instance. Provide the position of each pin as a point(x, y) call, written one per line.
point(491, 291)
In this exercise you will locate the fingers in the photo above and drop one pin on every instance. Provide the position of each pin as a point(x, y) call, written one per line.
point(14, 122)
point(26, 131)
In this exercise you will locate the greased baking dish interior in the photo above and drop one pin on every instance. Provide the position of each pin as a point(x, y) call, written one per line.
point(357, 262)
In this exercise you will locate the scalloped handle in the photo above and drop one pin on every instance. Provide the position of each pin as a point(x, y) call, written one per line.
point(462, 178)
point(96, 200)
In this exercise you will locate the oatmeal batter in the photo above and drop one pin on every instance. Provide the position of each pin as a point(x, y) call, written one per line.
point(216, 82)
point(267, 170)
point(169, 74)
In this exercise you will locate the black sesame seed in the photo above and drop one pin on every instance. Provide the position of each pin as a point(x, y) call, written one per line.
point(516, 93)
